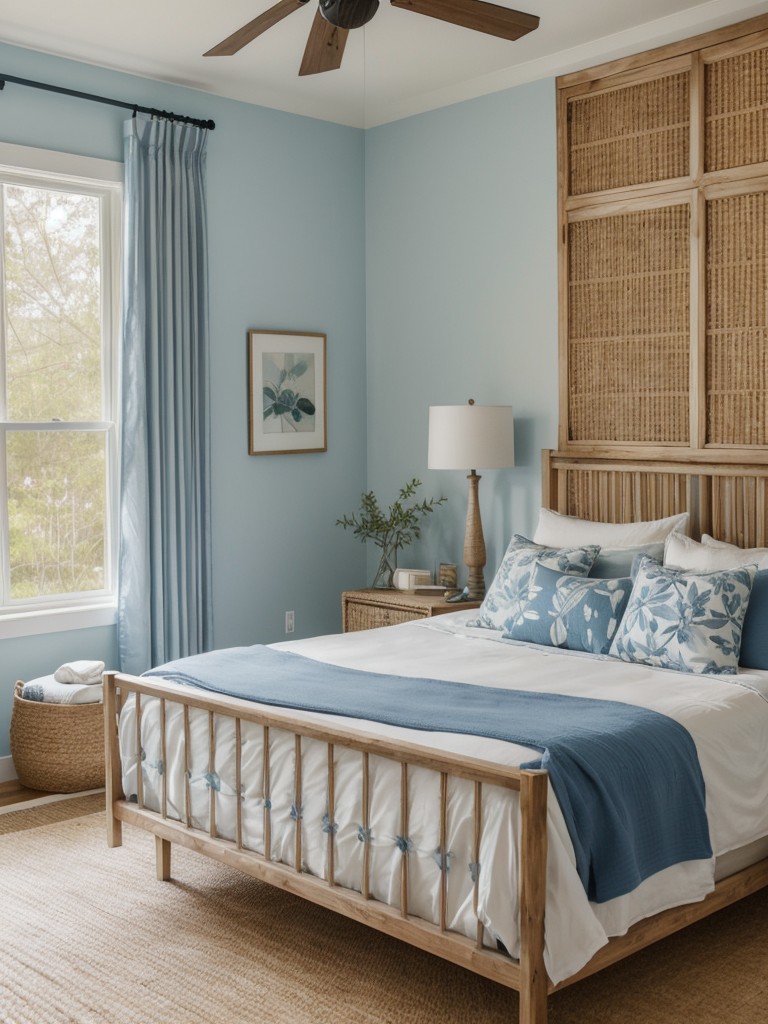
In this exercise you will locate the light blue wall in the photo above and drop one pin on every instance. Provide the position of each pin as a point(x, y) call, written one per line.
point(461, 249)
point(286, 251)
point(426, 249)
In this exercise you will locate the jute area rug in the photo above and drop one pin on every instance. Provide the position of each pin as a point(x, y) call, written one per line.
point(88, 936)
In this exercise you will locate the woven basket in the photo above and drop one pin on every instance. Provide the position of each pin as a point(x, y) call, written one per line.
point(58, 748)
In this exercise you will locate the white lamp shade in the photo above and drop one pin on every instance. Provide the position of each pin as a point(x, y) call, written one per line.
point(471, 437)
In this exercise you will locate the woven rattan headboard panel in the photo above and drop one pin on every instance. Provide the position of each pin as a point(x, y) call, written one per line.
point(663, 287)
point(663, 270)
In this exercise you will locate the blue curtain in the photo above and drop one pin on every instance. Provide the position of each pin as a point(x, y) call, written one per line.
point(164, 589)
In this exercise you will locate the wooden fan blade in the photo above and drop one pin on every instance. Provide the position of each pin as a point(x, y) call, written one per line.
point(232, 44)
point(325, 47)
point(475, 14)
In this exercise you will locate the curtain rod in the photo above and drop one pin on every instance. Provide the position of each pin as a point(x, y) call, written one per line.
point(210, 125)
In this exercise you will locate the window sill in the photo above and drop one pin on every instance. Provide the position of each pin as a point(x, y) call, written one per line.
point(56, 620)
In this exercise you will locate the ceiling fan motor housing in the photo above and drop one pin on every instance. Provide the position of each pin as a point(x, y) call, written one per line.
point(348, 13)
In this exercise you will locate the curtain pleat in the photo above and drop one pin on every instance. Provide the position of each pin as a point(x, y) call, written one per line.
point(164, 602)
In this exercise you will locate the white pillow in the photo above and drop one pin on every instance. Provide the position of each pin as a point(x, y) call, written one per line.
point(747, 555)
point(556, 530)
point(682, 552)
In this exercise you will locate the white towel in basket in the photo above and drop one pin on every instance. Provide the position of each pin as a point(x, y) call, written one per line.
point(79, 672)
point(47, 690)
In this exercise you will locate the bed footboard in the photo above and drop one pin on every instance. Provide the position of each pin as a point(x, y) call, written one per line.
point(527, 975)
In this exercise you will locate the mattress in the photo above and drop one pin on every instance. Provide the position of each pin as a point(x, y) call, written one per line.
point(726, 716)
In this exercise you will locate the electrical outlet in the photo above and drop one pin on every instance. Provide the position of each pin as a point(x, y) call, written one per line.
point(290, 622)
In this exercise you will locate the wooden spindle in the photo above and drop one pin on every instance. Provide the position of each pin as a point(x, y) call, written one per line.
point(267, 799)
point(404, 836)
point(443, 848)
point(187, 768)
point(297, 799)
point(478, 822)
point(211, 774)
point(139, 762)
point(331, 873)
point(238, 784)
point(365, 888)
point(164, 762)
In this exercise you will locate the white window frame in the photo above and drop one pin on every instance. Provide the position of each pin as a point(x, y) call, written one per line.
point(104, 178)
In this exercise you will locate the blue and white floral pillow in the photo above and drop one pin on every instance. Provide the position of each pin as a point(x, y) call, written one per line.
point(509, 591)
point(568, 611)
point(687, 621)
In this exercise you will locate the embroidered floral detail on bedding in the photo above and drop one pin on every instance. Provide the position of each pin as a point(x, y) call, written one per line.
point(569, 611)
point(508, 594)
point(687, 621)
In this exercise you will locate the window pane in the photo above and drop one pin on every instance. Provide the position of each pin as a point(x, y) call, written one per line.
point(53, 304)
point(56, 506)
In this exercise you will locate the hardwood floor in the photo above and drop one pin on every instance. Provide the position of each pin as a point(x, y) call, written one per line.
point(14, 793)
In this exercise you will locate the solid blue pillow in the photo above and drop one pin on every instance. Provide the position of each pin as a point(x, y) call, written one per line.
point(612, 563)
point(754, 634)
point(570, 611)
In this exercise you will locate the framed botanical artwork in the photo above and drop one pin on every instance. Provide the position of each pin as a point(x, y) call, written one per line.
point(286, 393)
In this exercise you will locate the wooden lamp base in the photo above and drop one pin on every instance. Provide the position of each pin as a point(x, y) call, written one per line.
point(474, 543)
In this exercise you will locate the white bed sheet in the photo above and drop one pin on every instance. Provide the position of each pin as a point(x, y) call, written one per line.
point(726, 716)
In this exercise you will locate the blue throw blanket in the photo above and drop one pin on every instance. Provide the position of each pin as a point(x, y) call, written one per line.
point(627, 779)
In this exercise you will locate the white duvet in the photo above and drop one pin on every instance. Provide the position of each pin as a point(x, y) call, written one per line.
point(726, 716)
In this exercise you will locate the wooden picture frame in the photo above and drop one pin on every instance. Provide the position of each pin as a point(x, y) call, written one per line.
point(286, 393)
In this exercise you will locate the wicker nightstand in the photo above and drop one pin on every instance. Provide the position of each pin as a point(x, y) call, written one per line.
point(367, 609)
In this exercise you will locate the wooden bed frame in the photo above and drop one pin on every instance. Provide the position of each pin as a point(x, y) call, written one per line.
point(726, 500)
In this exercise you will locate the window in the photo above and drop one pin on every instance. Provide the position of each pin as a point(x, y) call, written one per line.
point(59, 239)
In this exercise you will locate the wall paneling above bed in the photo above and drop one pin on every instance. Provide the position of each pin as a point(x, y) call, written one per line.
point(663, 205)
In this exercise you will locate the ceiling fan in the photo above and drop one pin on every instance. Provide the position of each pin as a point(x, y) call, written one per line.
point(334, 19)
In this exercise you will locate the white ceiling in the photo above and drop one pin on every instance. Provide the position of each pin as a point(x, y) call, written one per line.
point(401, 63)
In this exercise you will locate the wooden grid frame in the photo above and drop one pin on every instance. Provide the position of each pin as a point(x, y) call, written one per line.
point(714, 158)
point(619, 137)
point(736, 103)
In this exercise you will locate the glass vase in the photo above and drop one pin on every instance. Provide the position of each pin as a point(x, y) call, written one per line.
point(384, 578)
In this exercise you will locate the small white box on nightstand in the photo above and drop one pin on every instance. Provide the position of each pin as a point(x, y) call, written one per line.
point(409, 579)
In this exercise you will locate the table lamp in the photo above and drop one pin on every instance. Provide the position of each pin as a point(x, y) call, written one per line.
point(472, 437)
